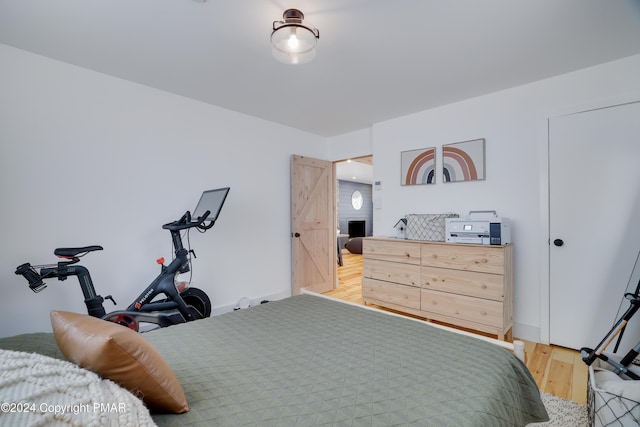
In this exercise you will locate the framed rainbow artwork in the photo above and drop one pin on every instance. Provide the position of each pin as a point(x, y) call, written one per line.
point(418, 166)
point(463, 161)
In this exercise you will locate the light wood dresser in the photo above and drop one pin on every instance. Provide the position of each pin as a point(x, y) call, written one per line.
point(464, 285)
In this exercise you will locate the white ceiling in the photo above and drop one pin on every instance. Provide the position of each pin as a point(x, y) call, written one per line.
point(355, 171)
point(376, 59)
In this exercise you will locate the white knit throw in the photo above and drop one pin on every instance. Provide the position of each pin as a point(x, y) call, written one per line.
point(36, 390)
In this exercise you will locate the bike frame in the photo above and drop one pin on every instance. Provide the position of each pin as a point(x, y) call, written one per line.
point(159, 312)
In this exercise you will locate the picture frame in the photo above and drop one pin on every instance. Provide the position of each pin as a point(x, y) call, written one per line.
point(418, 166)
point(463, 161)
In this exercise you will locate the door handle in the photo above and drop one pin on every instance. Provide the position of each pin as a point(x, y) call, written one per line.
point(296, 234)
point(558, 242)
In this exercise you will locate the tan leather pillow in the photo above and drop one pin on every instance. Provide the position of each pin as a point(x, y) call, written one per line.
point(118, 353)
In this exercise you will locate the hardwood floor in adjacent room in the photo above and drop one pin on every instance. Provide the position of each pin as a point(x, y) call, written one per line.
point(556, 370)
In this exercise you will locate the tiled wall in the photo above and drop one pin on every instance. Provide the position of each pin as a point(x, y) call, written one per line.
point(346, 212)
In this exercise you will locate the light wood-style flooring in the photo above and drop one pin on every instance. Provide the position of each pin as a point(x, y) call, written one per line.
point(557, 370)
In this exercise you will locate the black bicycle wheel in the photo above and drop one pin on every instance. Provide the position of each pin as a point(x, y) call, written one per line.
point(198, 299)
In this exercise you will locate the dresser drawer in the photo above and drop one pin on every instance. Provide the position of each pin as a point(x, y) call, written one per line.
point(485, 258)
point(406, 274)
point(477, 310)
point(407, 296)
point(482, 285)
point(390, 250)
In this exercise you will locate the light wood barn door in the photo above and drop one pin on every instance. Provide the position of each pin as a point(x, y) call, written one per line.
point(313, 230)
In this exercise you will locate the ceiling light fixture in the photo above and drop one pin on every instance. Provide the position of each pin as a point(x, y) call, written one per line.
point(292, 41)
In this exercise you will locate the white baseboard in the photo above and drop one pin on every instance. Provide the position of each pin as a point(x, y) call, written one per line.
point(254, 301)
point(526, 332)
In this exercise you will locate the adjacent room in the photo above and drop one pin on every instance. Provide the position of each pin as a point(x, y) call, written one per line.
point(266, 194)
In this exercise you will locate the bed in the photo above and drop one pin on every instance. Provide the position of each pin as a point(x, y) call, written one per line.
point(309, 360)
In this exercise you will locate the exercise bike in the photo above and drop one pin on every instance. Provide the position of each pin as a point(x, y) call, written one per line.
point(178, 303)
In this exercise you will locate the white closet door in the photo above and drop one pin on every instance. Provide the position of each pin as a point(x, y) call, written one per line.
point(594, 177)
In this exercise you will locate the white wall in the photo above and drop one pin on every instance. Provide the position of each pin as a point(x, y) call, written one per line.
point(350, 145)
point(514, 124)
point(90, 159)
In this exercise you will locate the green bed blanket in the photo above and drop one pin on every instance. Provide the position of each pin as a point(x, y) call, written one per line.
point(308, 361)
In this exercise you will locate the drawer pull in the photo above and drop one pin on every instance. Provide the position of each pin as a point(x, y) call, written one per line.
point(484, 313)
point(434, 302)
point(483, 286)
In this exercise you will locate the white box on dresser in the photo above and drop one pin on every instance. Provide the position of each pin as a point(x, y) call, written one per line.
point(464, 285)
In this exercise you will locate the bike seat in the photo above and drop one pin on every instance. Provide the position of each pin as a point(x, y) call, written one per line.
point(72, 252)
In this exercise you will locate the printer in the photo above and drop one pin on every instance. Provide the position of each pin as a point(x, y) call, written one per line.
point(479, 227)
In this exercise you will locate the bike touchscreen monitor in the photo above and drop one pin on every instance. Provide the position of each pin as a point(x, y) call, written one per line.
point(212, 201)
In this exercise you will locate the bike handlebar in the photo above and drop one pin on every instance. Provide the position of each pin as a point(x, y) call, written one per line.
point(33, 277)
point(185, 222)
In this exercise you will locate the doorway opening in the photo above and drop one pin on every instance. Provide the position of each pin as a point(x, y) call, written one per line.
point(354, 220)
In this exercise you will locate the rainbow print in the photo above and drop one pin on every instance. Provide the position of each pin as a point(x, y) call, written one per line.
point(418, 166)
point(463, 161)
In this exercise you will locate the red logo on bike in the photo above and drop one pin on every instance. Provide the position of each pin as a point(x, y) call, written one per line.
point(138, 305)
